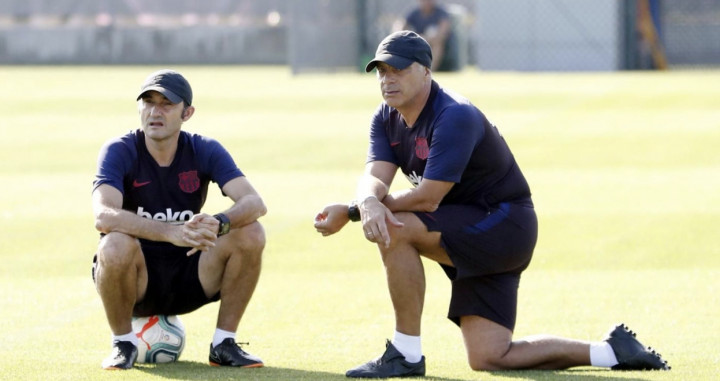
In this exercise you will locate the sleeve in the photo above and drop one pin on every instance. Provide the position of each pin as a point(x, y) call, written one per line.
point(442, 14)
point(217, 161)
point(380, 149)
point(412, 19)
point(114, 162)
point(458, 130)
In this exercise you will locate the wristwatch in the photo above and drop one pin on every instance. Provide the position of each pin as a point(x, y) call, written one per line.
point(224, 224)
point(353, 212)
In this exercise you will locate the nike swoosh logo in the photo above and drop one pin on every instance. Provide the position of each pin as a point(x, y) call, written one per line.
point(393, 144)
point(137, 184)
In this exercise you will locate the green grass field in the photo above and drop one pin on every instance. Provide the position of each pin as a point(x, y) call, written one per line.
point(624, 169)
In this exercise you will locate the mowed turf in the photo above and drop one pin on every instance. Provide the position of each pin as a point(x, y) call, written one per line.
point(624, 169)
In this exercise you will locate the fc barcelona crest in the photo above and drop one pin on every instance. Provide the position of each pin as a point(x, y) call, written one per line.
point(421, 148)
point(189, 181)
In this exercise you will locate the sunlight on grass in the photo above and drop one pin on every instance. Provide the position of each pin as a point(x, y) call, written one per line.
point(623, 166)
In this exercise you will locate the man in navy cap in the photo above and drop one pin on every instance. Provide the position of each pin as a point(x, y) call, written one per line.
point(431, 21)
point(470, 210)
point(158, 253)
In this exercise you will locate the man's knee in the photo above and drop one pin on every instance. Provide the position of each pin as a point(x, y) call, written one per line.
point(117, 250)
point(485, 363)
point(410, 230)
point(490, 357)
point(249, 240)
point(488, 343)
point(413, 232)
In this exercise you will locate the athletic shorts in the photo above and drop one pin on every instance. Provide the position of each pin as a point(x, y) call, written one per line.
point(489, 250)
point(173, 282)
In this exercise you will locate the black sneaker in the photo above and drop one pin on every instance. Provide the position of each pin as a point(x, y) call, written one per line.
point(391, 364)
point(632, 355)
point(229, 353)
point(123, 356)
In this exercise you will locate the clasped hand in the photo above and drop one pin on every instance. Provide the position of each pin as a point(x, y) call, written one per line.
point(200, 233)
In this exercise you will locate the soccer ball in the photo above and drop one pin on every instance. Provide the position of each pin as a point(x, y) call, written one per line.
point(161, 338)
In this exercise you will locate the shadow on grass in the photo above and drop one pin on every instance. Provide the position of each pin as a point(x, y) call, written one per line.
point(568, 374)
point(191, 370)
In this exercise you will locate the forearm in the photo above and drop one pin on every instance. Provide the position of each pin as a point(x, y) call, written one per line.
point(409, 200)
point(246, 211)
point(371, 186)
point(110, 220)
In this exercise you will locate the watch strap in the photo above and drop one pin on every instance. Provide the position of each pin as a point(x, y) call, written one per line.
point(224, 224)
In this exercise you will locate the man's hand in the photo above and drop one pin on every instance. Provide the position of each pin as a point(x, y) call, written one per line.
point(331, 219)
point(375, 217)
point(200, 233)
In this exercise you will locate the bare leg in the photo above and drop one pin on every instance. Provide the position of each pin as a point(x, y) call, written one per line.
point(490, 347)
point(405, 272)
point(233, 268)
point(406, 282)
point(121, 279)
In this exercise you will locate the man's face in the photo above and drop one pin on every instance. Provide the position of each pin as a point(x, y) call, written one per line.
point(160, 118)
point(399, 88)
point(426, 5)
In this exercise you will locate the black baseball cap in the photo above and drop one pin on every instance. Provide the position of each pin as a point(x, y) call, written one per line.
point(400, 50)
point(169, 83)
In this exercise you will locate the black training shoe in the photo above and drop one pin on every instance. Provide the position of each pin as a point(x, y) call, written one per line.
point(391, 364)
point(123, 356)
point(229, 353)
point(632, 355)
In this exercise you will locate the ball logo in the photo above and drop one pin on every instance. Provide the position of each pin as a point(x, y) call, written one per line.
point(161, 338)
point(421, 148)
point(189, 181)
point(152, 320)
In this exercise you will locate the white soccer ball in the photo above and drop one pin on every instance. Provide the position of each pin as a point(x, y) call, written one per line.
point(161, 338)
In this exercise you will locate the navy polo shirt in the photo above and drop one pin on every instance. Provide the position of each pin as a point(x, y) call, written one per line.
point(171, 194)
point(451, 141)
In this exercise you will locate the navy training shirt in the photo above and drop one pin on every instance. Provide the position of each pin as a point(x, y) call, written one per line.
point(451, 141)
point(421, 23)
point(171, 194)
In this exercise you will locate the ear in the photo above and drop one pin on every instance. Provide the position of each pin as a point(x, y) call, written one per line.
point(187, 113)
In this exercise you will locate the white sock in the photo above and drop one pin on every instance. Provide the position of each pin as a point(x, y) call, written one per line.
point(221, 335)
point(131, 337)
point(602, 355)
point(409, 346)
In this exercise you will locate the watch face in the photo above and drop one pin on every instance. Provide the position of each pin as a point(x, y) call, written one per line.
point(224, 227)
point(354, 213)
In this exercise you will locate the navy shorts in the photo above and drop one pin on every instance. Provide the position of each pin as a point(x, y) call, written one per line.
point(173, 282)
point(489, 250)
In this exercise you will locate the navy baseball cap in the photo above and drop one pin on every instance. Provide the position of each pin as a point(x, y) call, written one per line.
point(169, 83)
point(400, 50)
